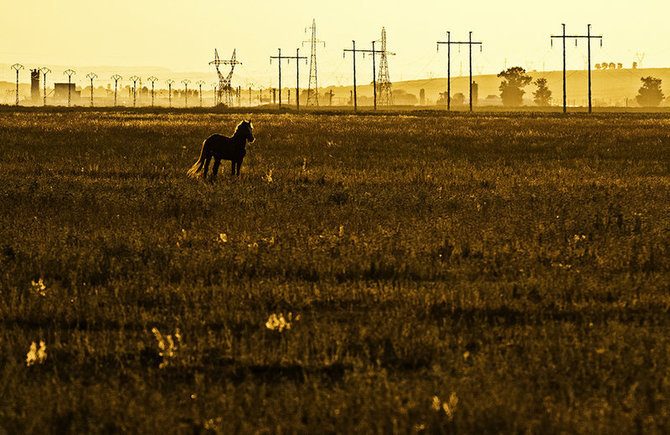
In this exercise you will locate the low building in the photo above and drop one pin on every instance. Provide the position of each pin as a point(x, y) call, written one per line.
point(62, 90)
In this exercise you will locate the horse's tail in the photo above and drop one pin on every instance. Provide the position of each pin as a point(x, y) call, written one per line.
point(197, 166)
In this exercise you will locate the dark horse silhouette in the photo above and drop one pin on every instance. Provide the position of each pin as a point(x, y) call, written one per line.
point(224, 148)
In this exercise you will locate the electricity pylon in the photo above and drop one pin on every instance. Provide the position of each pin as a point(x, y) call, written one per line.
point(18, 67)
point(45, 71)
point(91, 76)
point(313, 87)
point(384, 81)
point(153, 80)
point(225, 82)
point(134, 79)
point(200, 83)
point(186, 82)
point(169, 83)
point(69, 73)
point(116, 79)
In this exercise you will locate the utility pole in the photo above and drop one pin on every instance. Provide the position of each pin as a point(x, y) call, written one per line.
point(200, 83)
point(215, 94)
point(588, 38)
point(313, 87)
point(134, 79)
point(45, 71)
point(249, 95)
point(449, 43)
point(169, 83)
point(297, 59)
point(354, 50)
point(116, 79)
point(91, 76)
point(18, 67)
point(330, 97)
point(69, 73)
point(186, 82)
point(153, 80)
point(279, 58)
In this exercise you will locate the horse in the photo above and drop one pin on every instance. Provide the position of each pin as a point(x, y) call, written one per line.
point(224, 148)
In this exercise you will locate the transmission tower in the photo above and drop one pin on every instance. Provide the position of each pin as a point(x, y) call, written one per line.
point(134, 79)
point(91, 76)
point(225, 86)
point(18, 67)
point(384, 81)
point(186, 82)
point(169, 83)
point(45, 71)
point(313, 87)
point(153, 80)
point(200, 83)
point(69, 73)
point(116, 79)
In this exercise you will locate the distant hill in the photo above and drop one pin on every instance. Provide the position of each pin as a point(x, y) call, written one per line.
point(609, 87)
point(616, 87)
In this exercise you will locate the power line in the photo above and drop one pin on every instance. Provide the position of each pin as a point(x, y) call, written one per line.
point(153, 80)
point(169, 83)
point(45, 71)
point(134, 79)
point(355, 51)
point(116, 79)
point(18, 67)
point(200, 83)
point(91, 76)
point(449, 43)
point(69, 73)
point(186, 82)
point(588, 38)
point(297, 59)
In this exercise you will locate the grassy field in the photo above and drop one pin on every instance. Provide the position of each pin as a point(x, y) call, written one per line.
point(476, 274)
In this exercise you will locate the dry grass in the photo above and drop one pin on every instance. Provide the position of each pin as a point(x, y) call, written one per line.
point(518, 261)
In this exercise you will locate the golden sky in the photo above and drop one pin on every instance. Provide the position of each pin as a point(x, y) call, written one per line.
point(182, 35)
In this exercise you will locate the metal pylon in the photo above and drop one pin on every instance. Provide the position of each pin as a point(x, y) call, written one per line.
point(225, 90)
point(384, 92)
point(313, 87)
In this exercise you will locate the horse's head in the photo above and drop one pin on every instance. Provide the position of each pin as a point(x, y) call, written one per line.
point(245, 128)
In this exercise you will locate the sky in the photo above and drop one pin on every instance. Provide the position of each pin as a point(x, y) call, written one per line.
point(181, 35)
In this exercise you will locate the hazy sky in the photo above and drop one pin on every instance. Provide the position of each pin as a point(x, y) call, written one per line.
point(182, 35)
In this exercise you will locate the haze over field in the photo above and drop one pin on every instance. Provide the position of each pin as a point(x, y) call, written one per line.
point(181, 36)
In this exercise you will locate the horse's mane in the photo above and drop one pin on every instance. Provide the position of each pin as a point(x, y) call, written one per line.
point(237, 128)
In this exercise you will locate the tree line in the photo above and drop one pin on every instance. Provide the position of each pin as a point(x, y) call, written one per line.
point(516, 78)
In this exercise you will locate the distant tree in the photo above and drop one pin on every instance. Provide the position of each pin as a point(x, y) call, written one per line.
point(458, 99)
point(650, 94)
point(542, 94)
point(422, 97)
point(514, 79)
point(597, 66)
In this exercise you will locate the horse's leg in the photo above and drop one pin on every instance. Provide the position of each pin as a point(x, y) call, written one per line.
point(215, 168)
point(239, 165)
point(204, 174)
point(232, 167)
